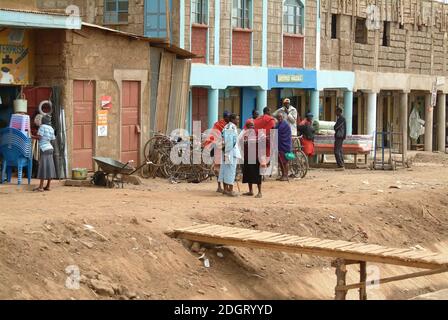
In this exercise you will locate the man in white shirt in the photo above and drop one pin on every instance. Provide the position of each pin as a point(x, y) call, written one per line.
point(291, 115)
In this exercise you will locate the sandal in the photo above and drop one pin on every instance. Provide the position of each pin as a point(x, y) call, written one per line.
point(248, 194)
point(47, 189)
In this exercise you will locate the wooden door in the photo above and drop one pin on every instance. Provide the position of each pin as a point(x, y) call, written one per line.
point(200, 107)
point(83, 124)
point(130, 122)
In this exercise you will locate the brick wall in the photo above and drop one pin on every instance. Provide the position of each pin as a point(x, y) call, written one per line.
point(49, 57)
point(199, 43)
point(257, 35)
point(225, 40)
point(241, 42)
point(292, 51)
point(275, 33)
point(417, 29)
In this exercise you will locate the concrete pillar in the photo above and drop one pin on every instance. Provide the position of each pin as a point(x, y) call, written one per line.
point(213, 106)
point(371, 112)
point(404, 106)
point(429, 122)
point(348, 111)
point(314, 102)
point(262, 100)
point(441, 122)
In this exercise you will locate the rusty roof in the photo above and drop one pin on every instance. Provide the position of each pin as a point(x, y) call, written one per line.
point(155, 42)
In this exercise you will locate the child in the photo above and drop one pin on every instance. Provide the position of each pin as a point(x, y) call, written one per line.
point(46, 170)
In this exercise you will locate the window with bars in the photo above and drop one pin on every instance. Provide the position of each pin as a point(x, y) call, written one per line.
point(199, 11)
point(116, 11)
point(293, 17)
point(241, 17)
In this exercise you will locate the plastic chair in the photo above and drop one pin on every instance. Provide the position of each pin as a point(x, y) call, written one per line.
point(16, 151)
point(21, 122)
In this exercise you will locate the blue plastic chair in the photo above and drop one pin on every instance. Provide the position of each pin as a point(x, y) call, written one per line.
point(16, 151)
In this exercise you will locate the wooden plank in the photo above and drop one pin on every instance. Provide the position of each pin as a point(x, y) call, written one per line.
point(163, 92)
point(314, 246)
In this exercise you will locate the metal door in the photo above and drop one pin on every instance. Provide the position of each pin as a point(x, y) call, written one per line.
point(83, 124)
point(130, 121)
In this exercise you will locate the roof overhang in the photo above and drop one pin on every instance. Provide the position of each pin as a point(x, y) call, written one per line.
point(38, 19)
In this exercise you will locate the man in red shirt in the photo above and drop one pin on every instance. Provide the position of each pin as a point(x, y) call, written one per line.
point(217, 129)
point(265, 122)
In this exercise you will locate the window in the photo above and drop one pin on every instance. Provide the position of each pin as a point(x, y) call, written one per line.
point(293, 17)
point(199, 11)
point(334, 26)
point(115, 11)
point(156, 23)
point(361, 31)
point(386, 34)
point(241, 14)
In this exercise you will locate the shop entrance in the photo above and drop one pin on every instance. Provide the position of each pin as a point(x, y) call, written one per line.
point(130, 122)
point(83, 124)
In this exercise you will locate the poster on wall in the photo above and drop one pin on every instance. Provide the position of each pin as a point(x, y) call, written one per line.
point(106, 102)
point(102, 123)
point(15, 57)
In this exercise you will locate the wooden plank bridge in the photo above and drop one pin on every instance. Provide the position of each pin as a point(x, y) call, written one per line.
point(344, 252)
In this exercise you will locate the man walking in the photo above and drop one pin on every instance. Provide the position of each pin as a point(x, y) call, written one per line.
point(340, 135)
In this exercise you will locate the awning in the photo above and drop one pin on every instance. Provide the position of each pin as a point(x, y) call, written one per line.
point(38, 19)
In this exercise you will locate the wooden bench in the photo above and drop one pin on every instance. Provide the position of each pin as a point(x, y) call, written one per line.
point(344, 252)
point(326, 151)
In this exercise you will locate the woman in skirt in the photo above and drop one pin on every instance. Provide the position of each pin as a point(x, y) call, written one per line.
point(251, 166)
point(46, 170)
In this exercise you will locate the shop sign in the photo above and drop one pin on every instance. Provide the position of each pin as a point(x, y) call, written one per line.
point(102, 123)
point(289, 78)
point(106, 102)
point(15, 57)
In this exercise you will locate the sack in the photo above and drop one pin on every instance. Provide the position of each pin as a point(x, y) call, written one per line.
point(290, 156)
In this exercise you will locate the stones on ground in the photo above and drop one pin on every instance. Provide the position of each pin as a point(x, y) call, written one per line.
point(201, 292)
point(220, 254)
point(134, 221)
point(102, 288)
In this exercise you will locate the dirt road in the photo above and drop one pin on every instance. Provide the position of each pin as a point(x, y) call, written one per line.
point(116, 238)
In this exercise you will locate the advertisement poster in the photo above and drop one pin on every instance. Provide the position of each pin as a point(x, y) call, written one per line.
point(102, 123)
point(15, 57)
point(106, 102)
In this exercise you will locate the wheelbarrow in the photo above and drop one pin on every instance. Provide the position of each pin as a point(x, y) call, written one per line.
point(111, 172)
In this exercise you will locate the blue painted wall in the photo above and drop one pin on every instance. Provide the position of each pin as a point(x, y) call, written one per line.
point(248, 104)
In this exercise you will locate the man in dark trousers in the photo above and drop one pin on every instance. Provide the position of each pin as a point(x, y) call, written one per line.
point(340, 135)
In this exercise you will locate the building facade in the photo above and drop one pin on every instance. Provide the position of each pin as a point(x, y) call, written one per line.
point(378, 59)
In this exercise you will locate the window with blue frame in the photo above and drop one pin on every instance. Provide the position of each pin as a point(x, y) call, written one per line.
point(199, 11)
point(293, 11)
point(241, 17)
point(116, 11)
point(156, 19)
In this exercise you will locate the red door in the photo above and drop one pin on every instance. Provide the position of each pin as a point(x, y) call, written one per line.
point(130, 122)
point(200, 106)
point(83, 124)
point(34, 96)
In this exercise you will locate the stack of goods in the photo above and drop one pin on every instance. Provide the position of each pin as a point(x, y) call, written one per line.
point(21, 122)
point(324, 127)
point(353, 144)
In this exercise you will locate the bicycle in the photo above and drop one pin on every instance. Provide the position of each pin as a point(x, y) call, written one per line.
point(300, 165)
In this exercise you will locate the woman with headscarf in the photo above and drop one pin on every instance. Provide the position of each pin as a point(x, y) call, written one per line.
point(46, 170)
point(227, 173)
point(251, 165)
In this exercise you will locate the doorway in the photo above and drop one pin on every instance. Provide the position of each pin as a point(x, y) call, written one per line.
point(130, 121)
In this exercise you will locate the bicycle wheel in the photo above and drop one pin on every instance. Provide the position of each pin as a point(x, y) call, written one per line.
point(299, 166)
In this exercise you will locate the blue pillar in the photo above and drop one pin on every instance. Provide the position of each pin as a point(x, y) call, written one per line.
point(314, 102)
point(348, 111)
point(262, 100)
point(213, 106)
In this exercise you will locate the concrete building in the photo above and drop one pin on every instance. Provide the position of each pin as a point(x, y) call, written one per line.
point(111, 88)
point(398, 51)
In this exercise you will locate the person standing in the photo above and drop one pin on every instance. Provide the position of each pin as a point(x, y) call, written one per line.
point(255, 115)
point(284, 144)
point(210, 142)
point(290, 115)
point(46, 170)
point(227, 173)
point(340, 135)
point(306, 130)
point(251, 165)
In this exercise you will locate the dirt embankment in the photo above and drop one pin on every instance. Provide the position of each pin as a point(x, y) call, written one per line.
point(116, 238)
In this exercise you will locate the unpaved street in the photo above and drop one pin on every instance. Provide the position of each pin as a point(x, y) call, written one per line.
point(128, 255)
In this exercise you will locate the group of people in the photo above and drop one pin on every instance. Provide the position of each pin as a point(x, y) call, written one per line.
point(256, 132)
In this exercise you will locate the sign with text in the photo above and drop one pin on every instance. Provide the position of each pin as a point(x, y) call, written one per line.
point(16, 66)
point(102, 123)
point(106, 102)
point(289, 78)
